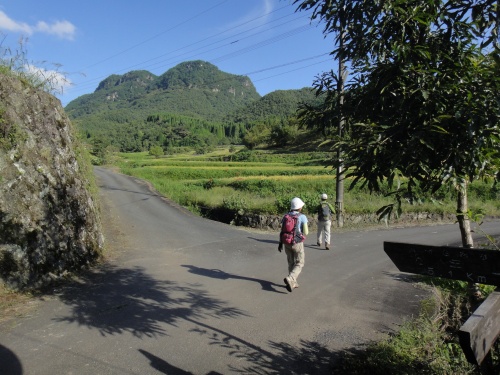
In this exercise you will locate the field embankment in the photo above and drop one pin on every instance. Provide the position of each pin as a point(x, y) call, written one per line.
point(254, 188)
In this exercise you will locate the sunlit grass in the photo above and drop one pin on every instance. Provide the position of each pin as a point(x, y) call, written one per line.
point(198, 181)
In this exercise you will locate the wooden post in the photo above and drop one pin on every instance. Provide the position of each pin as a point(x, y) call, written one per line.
point(482, 329)
point(458, 263)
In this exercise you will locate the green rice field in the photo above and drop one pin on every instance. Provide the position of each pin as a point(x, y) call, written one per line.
point(264, 182)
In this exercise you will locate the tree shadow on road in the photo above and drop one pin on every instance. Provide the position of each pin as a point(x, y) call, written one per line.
point(111, 188)
point(219, 274)
point(404, 277)
point(117, 300)
point(308, 357)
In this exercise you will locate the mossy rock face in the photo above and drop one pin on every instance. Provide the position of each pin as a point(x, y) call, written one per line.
point(49, 221)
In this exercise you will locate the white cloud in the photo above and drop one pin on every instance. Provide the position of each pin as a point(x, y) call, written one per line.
point(6, 23)
point(55, 81)
point(61, 29)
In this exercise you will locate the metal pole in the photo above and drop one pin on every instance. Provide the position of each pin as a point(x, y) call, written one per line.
point(339, 203)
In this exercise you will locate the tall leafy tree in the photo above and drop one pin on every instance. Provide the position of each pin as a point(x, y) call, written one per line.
point(423, 103)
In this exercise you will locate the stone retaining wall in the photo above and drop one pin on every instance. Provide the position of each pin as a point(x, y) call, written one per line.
point(272, 222)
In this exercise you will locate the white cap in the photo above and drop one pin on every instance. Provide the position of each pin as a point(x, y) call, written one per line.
point(296, 204)
point(324, 196)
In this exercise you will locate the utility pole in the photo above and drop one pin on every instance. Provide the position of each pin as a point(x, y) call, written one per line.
point(339, 203)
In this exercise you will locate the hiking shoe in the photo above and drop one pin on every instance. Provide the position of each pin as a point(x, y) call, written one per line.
point(327, 246)
point(288, 284)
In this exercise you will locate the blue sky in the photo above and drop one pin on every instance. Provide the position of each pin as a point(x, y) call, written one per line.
point(267, 40)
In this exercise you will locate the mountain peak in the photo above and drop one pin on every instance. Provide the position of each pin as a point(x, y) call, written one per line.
point(205, 76)
point(133, 78)
point(192, 88)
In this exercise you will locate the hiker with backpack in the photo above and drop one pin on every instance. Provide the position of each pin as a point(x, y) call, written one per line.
point(293, 231)
point(325, 213)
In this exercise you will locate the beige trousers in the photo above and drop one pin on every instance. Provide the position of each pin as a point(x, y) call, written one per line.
point(295, 257)
point(324, 231)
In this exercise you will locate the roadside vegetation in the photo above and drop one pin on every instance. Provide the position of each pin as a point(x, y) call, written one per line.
point(14, 303)
point(264, 181)
point(427, 344)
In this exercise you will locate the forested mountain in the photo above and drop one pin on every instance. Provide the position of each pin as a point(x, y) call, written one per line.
point(192, 104)
point(196, 89)
point(277, 104)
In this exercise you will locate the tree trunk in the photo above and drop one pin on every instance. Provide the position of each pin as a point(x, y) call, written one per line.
point(463, 216)
point(464, 224)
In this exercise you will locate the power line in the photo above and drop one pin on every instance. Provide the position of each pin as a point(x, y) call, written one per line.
point(262, 44)
point(286, 64)
point(89, 83)
point(157, 35)
point(197, 52)
point(291, 71)
point(235, 40)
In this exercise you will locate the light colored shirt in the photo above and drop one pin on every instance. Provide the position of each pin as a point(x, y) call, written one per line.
point(302, 223)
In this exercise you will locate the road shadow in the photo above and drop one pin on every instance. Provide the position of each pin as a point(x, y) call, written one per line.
point(117, 300)
point(221, 275)
point(308, 357)
point(9, 362)
point(147, 197)
point(110, 188)
point(273, 242)
point(316, 247)
point(166, 368)
point(276, 242)
point(404, 277)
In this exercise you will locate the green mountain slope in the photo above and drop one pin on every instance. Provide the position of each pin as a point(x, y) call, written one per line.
point(192, 104)
point(194, 88)
point(277, 104)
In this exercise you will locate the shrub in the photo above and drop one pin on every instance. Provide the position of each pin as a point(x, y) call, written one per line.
point(156, 151)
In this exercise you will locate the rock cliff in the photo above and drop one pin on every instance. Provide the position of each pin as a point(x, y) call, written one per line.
point(49, 220)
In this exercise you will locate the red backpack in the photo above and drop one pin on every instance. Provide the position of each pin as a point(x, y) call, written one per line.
point(289, 234)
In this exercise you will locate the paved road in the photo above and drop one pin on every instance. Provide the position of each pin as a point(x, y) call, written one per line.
point(184, 295)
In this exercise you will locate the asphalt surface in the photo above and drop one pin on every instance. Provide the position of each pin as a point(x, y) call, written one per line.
point(179, 294)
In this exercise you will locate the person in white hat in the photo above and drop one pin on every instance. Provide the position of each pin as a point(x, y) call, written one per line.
point(293, 240)
point(325, 213)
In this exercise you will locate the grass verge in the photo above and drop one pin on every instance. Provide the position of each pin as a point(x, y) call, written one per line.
point(258, 182)
point(14, 303)
point(426, 345)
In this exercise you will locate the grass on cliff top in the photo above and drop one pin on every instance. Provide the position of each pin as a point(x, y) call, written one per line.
point(14, 303)
point(15, 63)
